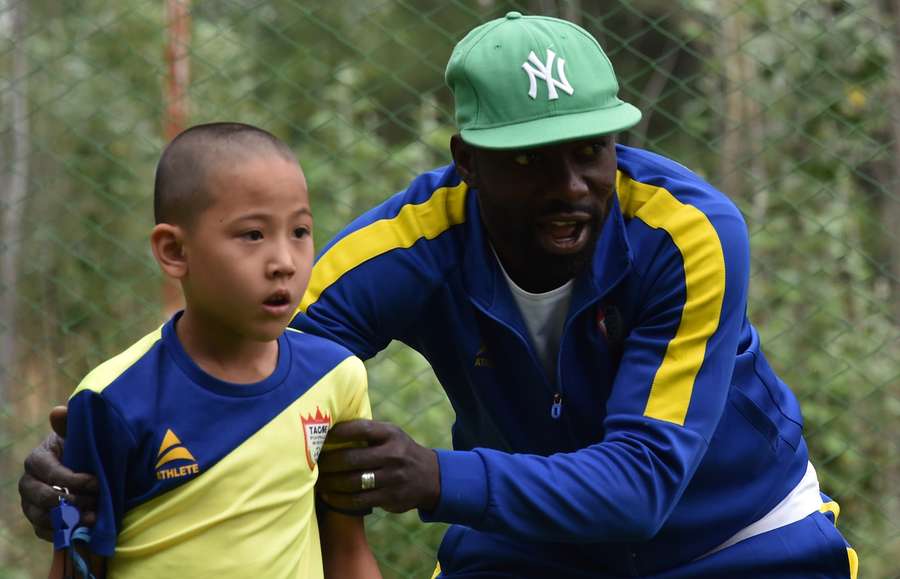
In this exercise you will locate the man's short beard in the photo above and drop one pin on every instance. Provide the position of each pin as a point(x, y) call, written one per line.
point(566, 267)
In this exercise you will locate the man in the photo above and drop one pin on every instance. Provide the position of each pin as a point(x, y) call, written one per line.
point(584, 306)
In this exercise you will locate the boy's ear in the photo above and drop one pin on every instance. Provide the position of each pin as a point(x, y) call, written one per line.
point(167, 242)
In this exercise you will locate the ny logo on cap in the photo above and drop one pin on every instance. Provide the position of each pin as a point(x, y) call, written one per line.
point(545, 71)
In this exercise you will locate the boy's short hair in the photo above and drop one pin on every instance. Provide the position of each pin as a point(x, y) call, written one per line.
point(180, 191)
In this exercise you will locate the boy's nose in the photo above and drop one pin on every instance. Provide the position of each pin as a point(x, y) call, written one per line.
point(282, 263)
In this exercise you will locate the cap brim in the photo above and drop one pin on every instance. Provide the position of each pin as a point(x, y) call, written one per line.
point(549, 130)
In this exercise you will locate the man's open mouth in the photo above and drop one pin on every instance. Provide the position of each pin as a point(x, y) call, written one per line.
point(564, 233)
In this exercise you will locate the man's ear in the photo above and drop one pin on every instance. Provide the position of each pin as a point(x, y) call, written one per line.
point(167, 242)
point(464, 157)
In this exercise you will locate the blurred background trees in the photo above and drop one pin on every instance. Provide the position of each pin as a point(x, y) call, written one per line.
point(790, 106)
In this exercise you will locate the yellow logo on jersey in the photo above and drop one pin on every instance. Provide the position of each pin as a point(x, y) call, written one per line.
point(171, 450)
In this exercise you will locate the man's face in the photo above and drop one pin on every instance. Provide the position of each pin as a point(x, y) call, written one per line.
point(249, 254)
point(543, 208)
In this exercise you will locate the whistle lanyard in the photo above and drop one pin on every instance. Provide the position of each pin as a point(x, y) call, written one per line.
point(66, 533)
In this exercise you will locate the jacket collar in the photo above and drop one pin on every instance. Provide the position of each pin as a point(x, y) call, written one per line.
point(488, 289)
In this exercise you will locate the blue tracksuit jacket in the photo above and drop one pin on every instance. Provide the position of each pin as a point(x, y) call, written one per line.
point(672, 433)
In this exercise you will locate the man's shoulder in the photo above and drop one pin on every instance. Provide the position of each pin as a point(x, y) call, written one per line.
point(645, 176)
point(424, 185)
point(125, 363)
point(674, 216)
point(438, 195)
point(425, 219)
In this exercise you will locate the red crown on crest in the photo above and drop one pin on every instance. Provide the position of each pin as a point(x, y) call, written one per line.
point(319, 417)
point(314, 435)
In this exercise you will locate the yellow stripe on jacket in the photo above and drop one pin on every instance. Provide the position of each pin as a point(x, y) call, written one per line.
point(704, 273)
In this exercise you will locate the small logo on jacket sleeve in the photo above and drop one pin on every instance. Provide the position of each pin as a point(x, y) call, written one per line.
point(482, 359)
point(315, 428)
point(173, 451)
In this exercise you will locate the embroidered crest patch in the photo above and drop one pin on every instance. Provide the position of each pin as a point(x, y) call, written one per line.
point(315, 428)
point(601, 321)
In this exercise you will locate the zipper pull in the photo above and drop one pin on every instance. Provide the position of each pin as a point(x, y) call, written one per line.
point(556, 408)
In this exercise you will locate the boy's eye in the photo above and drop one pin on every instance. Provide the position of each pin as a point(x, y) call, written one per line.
point(301, 232)
point(254, 235)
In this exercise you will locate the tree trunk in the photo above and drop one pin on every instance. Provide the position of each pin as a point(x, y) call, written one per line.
point(13, 194)
point(571, 11)
point(662, 72)
point(890, 213)
point(178, 25)
point(13, 197)
point(731, 161)
point(890, 232)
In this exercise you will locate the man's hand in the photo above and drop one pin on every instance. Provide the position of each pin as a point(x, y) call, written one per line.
point(406, 473)
point(43, 470)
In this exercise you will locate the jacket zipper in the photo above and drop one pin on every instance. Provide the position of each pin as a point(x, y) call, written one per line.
point(556, 405)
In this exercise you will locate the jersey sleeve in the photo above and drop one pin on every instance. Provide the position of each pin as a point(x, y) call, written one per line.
point(666, 402)
point(354, 391)
point(99, 443)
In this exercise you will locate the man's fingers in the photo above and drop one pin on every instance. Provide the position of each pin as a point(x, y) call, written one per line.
point(37, 508)
point(358, 430)
point(36, 494)
point(375, 435)
point(43, 533)
point(58, 416)
point(406, 474)
point(351, 482)
point(39, 498)
point(44, 465)
point(350, 459)
point(43, 471)
point(40, 463)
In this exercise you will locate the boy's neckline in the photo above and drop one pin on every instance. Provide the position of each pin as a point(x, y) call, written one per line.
point(217, 385)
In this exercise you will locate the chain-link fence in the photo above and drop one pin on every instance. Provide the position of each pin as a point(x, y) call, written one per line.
point(790, 106)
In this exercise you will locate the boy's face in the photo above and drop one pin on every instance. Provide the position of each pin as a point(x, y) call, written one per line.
point(249, 254)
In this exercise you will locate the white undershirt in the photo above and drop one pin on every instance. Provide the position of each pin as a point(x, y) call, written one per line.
point(803, 500)
point(545, 315)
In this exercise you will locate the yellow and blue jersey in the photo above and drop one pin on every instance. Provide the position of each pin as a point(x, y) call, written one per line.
point(204, 478)
point(664, 430)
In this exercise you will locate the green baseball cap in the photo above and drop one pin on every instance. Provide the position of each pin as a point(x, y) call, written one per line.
point(525, 81)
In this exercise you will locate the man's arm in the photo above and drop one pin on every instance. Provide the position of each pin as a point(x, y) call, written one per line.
point(374, 276)
point(43, 470)
point(666, 401)
point(345, 551)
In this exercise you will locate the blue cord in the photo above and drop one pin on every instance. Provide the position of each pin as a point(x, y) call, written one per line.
point(83, 535)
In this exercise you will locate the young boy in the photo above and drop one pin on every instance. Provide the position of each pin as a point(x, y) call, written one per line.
point(204, 435)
